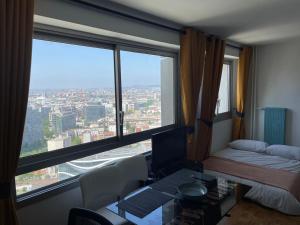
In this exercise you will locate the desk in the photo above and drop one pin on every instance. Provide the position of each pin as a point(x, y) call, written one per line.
point(176, 211)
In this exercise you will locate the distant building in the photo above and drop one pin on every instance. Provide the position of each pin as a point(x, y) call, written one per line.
point(58, 143)
point(86, 137)
point(94, 112)
point(112, 128)
point(45, 112)
point(33, 130)
point(128, 107)
point(63, 121)
point(139, 105)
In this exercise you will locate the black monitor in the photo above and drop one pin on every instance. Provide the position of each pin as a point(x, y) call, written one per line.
point(168, 147)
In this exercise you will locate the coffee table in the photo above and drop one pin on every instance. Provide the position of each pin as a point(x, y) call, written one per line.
point(221, 197)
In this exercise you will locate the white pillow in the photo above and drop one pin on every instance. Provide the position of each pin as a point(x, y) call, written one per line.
point(284, 151)
point(249, 145)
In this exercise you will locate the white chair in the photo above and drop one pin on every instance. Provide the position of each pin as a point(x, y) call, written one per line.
point(107, 184)
point(133, 171)
point(100, 187)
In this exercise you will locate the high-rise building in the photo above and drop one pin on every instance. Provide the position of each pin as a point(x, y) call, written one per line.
point(63, 121)
point(94, 112)
point(58, 143)
point(33, 130)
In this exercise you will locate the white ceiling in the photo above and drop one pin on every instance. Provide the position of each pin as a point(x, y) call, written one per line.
point(244, 21)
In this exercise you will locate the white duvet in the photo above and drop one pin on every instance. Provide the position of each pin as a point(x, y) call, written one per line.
point(266, 195)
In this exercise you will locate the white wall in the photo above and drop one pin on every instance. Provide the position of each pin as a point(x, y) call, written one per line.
point(52, 210)
point(221, 134)
point(278, 84)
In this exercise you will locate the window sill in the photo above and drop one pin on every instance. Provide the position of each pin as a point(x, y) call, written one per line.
point(222, 116)
point(46, 192)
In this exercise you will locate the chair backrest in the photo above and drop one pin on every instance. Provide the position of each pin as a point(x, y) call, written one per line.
point(133, 171)
point(79, 216)
point(100, 187)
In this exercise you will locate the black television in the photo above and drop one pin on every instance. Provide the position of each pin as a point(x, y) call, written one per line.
point(168, 148)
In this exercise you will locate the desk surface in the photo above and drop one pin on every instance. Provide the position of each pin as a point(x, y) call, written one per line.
point(205, 212)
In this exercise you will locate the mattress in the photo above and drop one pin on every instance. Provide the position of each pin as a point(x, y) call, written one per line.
point(269, 196)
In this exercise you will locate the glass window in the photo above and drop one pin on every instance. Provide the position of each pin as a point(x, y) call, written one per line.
point(72, 101)
point(41, 178)
point(223, 102)
point(147, 91)
point(71, 98)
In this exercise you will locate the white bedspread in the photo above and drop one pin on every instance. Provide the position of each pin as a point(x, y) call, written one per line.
point(266, 195)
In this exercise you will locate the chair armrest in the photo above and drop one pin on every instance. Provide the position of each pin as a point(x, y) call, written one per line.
point(82, 213)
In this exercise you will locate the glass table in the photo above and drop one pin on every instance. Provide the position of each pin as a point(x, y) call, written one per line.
point(221, 197)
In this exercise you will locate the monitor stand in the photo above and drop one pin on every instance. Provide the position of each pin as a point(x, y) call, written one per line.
point(175, 166)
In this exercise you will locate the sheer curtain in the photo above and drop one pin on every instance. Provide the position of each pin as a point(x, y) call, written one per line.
point(16, 23)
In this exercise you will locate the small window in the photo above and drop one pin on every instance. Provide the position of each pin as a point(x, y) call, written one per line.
point(223, 102)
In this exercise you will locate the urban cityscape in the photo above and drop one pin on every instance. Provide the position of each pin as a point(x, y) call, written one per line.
point(61, 118)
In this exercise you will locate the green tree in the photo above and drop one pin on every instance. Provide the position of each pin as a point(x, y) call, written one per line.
point(76, 140)
point(46, 130)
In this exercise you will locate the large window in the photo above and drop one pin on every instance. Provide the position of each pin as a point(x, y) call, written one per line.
point(91, 103)
point(223, 102)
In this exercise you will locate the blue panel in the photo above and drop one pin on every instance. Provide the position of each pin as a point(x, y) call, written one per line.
point(274, 129)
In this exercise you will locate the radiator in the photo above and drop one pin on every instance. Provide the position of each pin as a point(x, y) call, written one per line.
point(274, 125)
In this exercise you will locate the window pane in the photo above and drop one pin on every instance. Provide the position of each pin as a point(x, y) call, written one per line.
point(71, 98)
point(147, 91)
point(41, 178)
point(223, 103)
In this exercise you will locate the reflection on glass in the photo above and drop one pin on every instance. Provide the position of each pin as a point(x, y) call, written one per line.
point(40, 178)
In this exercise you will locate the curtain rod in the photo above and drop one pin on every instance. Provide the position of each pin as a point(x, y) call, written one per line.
point(234, 46)
point(128, 15)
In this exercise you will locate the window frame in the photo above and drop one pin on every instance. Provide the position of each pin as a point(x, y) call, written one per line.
point(47, 159)
point(227, 115)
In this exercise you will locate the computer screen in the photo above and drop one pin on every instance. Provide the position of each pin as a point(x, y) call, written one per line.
point(168, 147)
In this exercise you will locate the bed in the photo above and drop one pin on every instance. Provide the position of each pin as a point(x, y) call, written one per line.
point(267, 195)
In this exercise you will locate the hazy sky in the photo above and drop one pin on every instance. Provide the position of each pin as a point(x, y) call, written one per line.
point(57, 65)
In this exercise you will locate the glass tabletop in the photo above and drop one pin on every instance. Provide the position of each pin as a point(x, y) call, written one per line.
point(221, 197)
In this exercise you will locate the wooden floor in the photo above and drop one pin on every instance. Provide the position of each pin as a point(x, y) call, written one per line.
point(249, 213)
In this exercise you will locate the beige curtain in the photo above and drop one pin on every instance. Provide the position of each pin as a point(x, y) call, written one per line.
point(16, 22)
point(209, 95)
point(238, 129)
point(192, 55)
